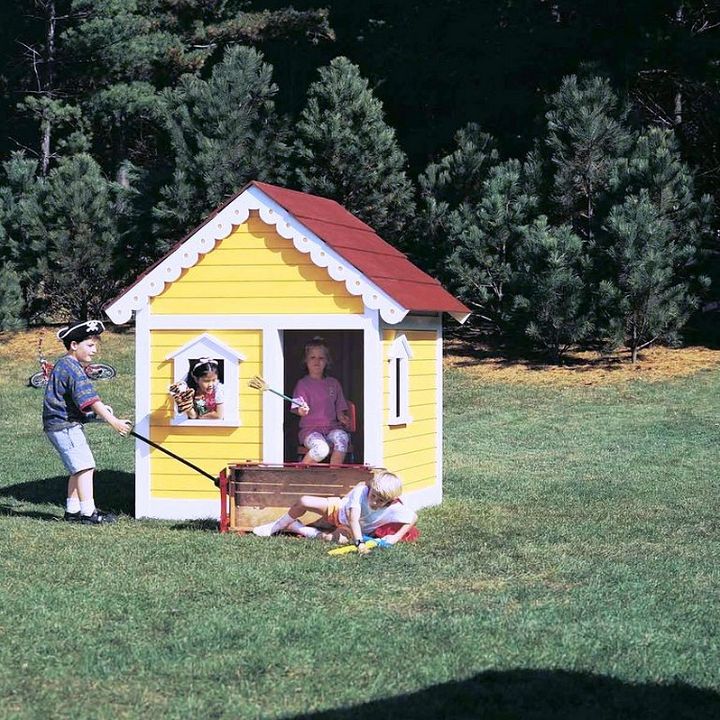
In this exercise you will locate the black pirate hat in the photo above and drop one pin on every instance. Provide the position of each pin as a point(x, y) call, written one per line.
point(80, 330)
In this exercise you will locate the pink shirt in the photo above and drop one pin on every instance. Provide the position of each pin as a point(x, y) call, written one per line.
point(325, 398)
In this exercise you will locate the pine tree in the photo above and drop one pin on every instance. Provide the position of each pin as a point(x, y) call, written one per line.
point(551, 304)
point(23, 236)
point(224, 132)
point(650, 286)
point(586, 135)
point(445, 185)
point(131, 50)
point(346, 151)
point(12, 305)
point(485, 235)
point(648, 291)
point(84, 232)
point(655, 164)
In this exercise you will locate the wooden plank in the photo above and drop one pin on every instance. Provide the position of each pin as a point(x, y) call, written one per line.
point(250, 273)
point(267, 287)
point(257, 306)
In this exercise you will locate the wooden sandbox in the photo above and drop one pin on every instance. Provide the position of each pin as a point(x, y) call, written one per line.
point(255, 493)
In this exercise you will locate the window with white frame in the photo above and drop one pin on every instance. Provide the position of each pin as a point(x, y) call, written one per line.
point(399, 355)
point(226, 363)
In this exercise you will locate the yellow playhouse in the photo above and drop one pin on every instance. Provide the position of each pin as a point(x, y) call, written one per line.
point(263, 274)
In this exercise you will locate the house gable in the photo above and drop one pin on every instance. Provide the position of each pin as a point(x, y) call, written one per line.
point(254, 272)
point(219, 226)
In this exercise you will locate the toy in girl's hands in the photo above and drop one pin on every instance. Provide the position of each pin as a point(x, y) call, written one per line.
point(182, 395)
point(178, 387)
point(299, 405)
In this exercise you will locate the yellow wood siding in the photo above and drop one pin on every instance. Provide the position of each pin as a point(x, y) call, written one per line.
point(411, 450)
point(254, 271)
point(211, 447)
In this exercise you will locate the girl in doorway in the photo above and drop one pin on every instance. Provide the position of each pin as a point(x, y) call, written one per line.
point(321, 405)
point(209, 392)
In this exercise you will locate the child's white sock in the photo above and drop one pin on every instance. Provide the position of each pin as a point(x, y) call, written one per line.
point(274, 527)
point(282, 523)
point(72, 505)
point(297, 527)
point(87, 507)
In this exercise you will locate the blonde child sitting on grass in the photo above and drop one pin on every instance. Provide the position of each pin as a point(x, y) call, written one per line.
point(366, 508)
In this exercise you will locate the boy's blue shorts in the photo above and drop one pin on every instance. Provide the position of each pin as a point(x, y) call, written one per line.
point(73, 448)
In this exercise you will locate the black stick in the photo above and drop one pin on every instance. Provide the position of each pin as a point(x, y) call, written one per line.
point(174, 456)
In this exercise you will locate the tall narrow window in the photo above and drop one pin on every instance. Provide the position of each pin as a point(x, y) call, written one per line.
point(398, 387)
point(399, 355)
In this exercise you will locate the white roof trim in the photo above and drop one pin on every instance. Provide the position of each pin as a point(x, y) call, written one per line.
point(216, 228)
point(208, 339)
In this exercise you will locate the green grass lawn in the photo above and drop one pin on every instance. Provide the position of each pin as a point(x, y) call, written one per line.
point(572, 572)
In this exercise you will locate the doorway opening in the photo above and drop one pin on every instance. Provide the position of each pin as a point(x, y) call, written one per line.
point(346, 349)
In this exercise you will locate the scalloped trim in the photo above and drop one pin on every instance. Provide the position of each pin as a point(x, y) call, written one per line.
point(221, 225)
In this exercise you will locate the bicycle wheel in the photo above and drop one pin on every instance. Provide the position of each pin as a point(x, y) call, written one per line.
point(100, 371)
point(37, 380)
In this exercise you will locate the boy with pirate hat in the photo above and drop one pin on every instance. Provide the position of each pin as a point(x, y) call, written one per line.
point(69, 397)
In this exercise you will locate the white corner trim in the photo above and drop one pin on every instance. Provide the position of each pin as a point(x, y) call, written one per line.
point(373, 389)
point(418, 499)
point(439, 414)
point(273, 406)
point(180, 509)
point(221, 225)
point(142, 413)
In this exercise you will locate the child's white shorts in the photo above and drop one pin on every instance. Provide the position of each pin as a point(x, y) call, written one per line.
point(73, 448)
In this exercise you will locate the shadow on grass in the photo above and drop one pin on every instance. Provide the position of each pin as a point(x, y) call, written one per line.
point(538, 695)
point(469, 353)
point(195, 525)
point(114, 490)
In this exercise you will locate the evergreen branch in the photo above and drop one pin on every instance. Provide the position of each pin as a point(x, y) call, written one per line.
point(34, 54)
point(654, 109)
point(27, 148)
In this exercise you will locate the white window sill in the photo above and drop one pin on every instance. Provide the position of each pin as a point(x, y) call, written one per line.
point(404, 420)
point(181, 421)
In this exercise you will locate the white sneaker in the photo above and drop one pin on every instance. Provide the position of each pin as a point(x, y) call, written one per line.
point(264, 530)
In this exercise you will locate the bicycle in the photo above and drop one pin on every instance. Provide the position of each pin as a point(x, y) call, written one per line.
point(95, 371)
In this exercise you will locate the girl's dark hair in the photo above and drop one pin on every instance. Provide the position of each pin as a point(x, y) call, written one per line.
point(202, 366)
point(317, 341)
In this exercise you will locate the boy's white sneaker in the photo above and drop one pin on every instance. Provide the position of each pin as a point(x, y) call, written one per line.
point(264, 530)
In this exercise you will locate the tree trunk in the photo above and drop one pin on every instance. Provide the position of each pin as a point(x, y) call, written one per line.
point(49, 79)
point(634, 343)
point(678, 109)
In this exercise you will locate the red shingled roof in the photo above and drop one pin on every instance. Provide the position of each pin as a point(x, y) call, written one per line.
point(360, 245)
